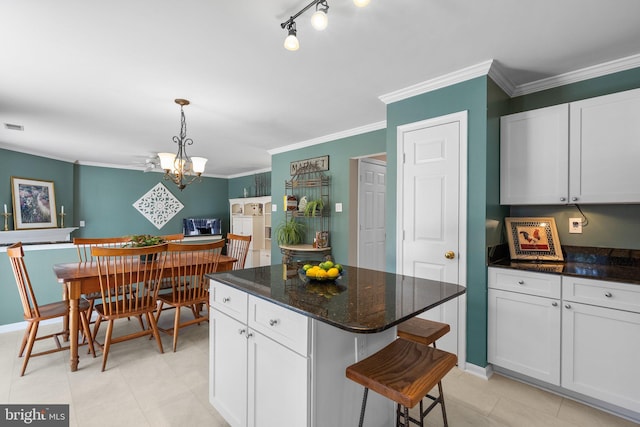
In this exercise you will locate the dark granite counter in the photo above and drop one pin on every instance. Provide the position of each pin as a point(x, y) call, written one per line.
point(361, 300)
point(616, 265)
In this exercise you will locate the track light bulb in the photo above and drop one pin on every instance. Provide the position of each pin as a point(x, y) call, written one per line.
point(361, 3)
point(319, 20)
point(291, 42)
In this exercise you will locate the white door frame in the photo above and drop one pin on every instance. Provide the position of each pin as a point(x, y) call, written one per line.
point(460, 117)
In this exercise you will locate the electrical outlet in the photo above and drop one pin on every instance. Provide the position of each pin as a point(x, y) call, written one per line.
point(575, 225)
point(274, 208)
point(338, 207)
point(81, 223)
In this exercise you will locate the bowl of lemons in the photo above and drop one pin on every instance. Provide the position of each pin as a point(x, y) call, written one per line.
point(323, 272)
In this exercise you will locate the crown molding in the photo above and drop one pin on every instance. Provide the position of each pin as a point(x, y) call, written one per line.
point(241, 174)
point(587, 73)
point(331, 137)
point(459, 76)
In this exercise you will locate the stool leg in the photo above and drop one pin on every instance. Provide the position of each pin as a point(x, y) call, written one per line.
point(406, 416)
point(444, 411)
point(421, 417)
point(364, 404)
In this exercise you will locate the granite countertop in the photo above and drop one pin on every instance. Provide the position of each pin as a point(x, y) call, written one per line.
point(361, 300)
point(616, 265)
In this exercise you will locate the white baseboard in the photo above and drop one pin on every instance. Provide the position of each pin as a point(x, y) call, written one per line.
point(479, 371)
point(21, 326)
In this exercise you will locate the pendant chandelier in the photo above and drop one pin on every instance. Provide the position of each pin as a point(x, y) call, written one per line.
point(180, 168)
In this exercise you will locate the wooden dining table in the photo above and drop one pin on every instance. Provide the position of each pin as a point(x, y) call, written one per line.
point(82, 278)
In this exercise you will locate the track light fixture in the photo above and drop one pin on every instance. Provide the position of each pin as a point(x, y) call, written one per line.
point(319, 21)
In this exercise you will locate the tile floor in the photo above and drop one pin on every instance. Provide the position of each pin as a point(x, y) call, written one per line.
point(146, 388)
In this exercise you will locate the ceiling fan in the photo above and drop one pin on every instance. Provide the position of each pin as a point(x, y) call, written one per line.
point(150, 163)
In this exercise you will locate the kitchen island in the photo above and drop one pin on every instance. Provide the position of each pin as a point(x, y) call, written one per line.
point(280, 344)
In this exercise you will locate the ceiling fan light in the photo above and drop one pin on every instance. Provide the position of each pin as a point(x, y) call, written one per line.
point(319, 20)
point(361, 3)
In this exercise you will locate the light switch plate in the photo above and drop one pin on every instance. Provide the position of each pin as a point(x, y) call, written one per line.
point(575, 225)
point(338, 207)
point(274, 208)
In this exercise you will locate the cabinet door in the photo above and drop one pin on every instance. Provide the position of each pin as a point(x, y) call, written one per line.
point(278, 384)
point(604, 149)
point(228, 368)
point(524, 334)
point(600, 348)
point(534, 156)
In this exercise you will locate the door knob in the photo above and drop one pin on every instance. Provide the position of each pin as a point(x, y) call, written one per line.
point(449, 255)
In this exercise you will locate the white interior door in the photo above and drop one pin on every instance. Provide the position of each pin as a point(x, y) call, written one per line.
point(432, 213)
point(371, 218)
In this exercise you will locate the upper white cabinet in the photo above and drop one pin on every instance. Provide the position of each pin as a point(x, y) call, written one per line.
point(604, 149)
point(583, 152)
point(534, 156)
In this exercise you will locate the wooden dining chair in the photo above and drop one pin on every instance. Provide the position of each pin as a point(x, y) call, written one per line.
point(189, 262)
point(34, 313)
point(173, 238)
point(129, 279)
point(238, 248)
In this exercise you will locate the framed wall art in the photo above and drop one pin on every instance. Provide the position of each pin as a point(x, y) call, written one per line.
point(534, 239)
point(34, 204)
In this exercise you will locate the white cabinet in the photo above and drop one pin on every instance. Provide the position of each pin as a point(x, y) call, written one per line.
point(586, 342)
point(582, 152)
point(600, 342)
point(274, 367)
point(534, 156)
point(259, 371)
point(524, 328)
point(604, 149)
point(251, 216)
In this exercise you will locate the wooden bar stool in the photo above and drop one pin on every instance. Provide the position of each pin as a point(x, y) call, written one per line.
point(424, 332)
point(404, 371)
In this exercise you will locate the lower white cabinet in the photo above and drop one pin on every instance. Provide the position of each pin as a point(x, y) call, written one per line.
point(274, 367)
point(524, 334)
point(587, 342)
point(256, 381)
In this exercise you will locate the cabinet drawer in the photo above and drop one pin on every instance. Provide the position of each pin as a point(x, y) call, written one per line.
point(526, 282)
point(284, 326)
point(616, 295)
point(228, 300)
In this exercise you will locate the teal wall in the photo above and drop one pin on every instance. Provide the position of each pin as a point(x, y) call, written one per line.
point(612, 226)
point(103, 198)
point(248, 182)
point(339, 152)
point(23, 165)
point(470, 96)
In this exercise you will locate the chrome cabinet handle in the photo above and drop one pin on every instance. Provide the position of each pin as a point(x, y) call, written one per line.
point(520, 282)
point(562, 199)
point(242, 331)
point(226, 299)
point(607, 294)
point(567, 306)
point(273, 322)
point(249, 335)
point(574, 199)
point(555, 304)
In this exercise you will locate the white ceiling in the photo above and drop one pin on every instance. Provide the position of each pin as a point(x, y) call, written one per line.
point(94, 82)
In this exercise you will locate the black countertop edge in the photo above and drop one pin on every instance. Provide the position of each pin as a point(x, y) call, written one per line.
point(612, 264)
point(263, 292)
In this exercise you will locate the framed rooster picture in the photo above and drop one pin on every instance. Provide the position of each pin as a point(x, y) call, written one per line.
point(533, 239)
point(34, 203)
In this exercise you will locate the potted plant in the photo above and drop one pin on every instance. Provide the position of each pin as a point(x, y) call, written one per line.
point(290, 232)
point(313, 207)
